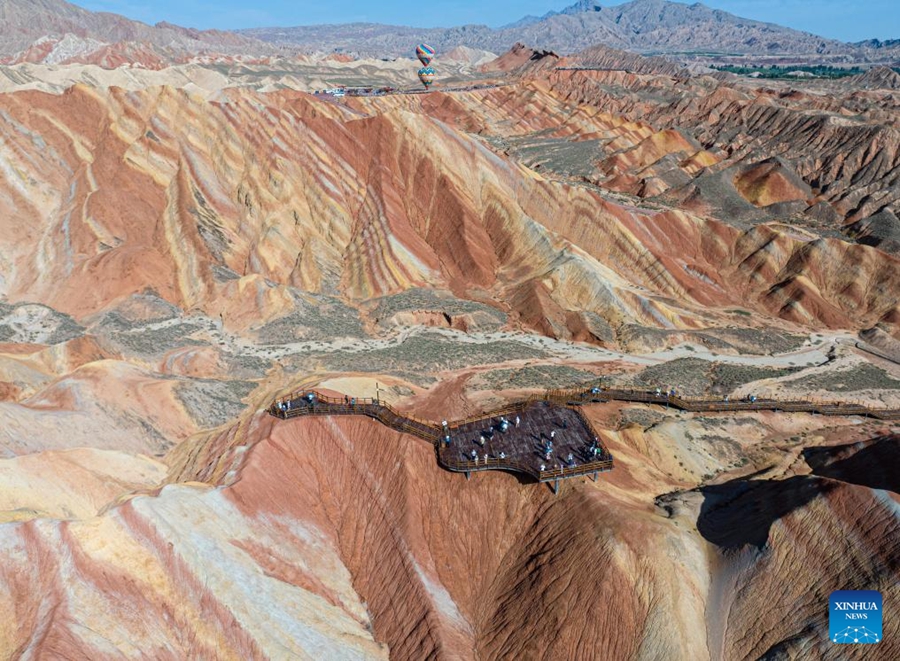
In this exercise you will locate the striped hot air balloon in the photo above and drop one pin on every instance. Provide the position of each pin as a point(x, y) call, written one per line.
point(426, 75)
point(425, 53)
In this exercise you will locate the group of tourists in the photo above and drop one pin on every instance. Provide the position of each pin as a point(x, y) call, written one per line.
point(671, 393)
point(473, 455)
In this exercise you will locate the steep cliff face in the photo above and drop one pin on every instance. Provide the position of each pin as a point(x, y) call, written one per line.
point(328, 535)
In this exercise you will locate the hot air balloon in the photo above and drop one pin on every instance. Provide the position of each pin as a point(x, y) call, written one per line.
point(426, 75)
point(425, 53)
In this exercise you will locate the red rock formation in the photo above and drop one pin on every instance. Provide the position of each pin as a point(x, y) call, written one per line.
point(341, 525)
point(521, 59)
point(848, 162)
point(300, 216)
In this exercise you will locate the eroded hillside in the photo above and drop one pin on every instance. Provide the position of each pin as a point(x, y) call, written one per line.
point(174, 257)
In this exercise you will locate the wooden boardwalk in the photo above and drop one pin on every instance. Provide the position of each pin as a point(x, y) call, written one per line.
point(522, 448)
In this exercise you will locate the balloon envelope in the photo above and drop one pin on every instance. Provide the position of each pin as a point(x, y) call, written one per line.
point(426, 75)
point(425, 53)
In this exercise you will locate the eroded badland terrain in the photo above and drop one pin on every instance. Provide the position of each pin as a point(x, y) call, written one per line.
point(179, 247)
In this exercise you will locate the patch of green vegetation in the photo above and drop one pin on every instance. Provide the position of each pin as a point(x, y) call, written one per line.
point(246, 367)
point(691, 376)
point(776, 71)
point(562, 156)
point(639, 416)
point(315, 317)
point(157, 341)
point(861, 377)
point(743, 340)
point(426, 353)
point(136, 312)
point(727, 377)
point(754, 340)
point(428, 300)
point(695, 376)
point(541, 376)
point(212, 403)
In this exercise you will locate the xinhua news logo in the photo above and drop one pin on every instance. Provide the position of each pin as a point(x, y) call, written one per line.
point(854, 617)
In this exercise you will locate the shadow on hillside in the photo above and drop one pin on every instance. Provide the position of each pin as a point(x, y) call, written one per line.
point(872, 463)
point(742, 511)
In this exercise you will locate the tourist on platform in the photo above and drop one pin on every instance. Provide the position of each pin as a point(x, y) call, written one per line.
point(481, 440)
point(552, 434)
point(502, 455)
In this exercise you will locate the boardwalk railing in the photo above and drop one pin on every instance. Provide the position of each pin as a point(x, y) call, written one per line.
point(311, 402)
point(373, 408)
point(591, 392)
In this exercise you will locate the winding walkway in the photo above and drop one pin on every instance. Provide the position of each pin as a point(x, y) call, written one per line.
point(515, 437)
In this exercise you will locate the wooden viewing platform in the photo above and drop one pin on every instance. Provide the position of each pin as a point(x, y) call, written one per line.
point(521, 448)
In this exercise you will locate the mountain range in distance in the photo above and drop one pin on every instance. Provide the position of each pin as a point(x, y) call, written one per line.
point(644, 26)
point(58, 32)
